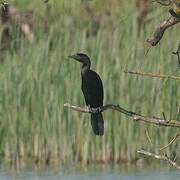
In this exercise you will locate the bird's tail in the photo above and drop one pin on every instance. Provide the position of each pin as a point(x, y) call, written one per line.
point(97, 123)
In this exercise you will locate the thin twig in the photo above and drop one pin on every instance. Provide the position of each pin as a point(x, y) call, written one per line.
point(175, 158)
point(162, 76)
point(171, 142)
point(133, 115)
point(164, 115)
point(178, 113)
point(160, 157)
point(148, 137)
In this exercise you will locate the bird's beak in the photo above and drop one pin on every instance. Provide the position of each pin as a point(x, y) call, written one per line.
point(76, 57)
point(71, 56)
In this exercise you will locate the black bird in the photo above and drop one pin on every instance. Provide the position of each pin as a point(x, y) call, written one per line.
point(92, 89)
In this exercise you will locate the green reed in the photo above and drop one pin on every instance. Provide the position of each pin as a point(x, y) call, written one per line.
point(37, 79)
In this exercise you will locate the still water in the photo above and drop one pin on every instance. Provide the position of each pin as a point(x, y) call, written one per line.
point(93, 173)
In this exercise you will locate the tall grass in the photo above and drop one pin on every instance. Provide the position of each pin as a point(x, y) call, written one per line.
point(37, 79)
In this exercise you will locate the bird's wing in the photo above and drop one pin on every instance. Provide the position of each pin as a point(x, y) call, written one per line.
point(93, 90)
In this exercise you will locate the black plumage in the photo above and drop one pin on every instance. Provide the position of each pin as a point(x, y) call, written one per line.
point(92, 89)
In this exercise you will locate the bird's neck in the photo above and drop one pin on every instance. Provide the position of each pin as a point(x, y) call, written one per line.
point(85, 68)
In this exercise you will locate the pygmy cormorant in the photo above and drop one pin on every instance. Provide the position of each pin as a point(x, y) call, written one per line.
point(92, 89)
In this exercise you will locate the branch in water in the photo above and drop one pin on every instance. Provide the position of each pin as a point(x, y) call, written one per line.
point(133, 115)
point(159, 31)
point(160, 157)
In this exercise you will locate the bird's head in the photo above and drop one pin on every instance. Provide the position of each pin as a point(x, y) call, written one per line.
point(83, 58)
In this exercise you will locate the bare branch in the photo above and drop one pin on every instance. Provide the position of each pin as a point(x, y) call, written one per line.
point(162, 76)
point(160, 157)
point(133, 115)
point(159, 31)
point(83, 110)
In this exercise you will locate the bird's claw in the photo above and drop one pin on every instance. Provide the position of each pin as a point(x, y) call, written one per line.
point(94, 110)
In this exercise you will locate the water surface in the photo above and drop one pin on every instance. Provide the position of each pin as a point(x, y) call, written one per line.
point(93, 173)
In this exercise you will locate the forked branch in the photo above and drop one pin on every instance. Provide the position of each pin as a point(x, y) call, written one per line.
point(160, 157)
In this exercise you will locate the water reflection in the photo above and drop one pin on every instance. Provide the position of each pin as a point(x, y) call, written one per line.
point(124, 172)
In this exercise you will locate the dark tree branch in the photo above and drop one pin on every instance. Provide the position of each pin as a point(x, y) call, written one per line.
point(159, 31)
point(133, 115)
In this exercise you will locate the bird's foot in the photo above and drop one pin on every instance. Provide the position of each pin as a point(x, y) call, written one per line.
point(94, 110)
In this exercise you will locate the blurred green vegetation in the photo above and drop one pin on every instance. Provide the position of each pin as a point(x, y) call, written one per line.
point(37, 78)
